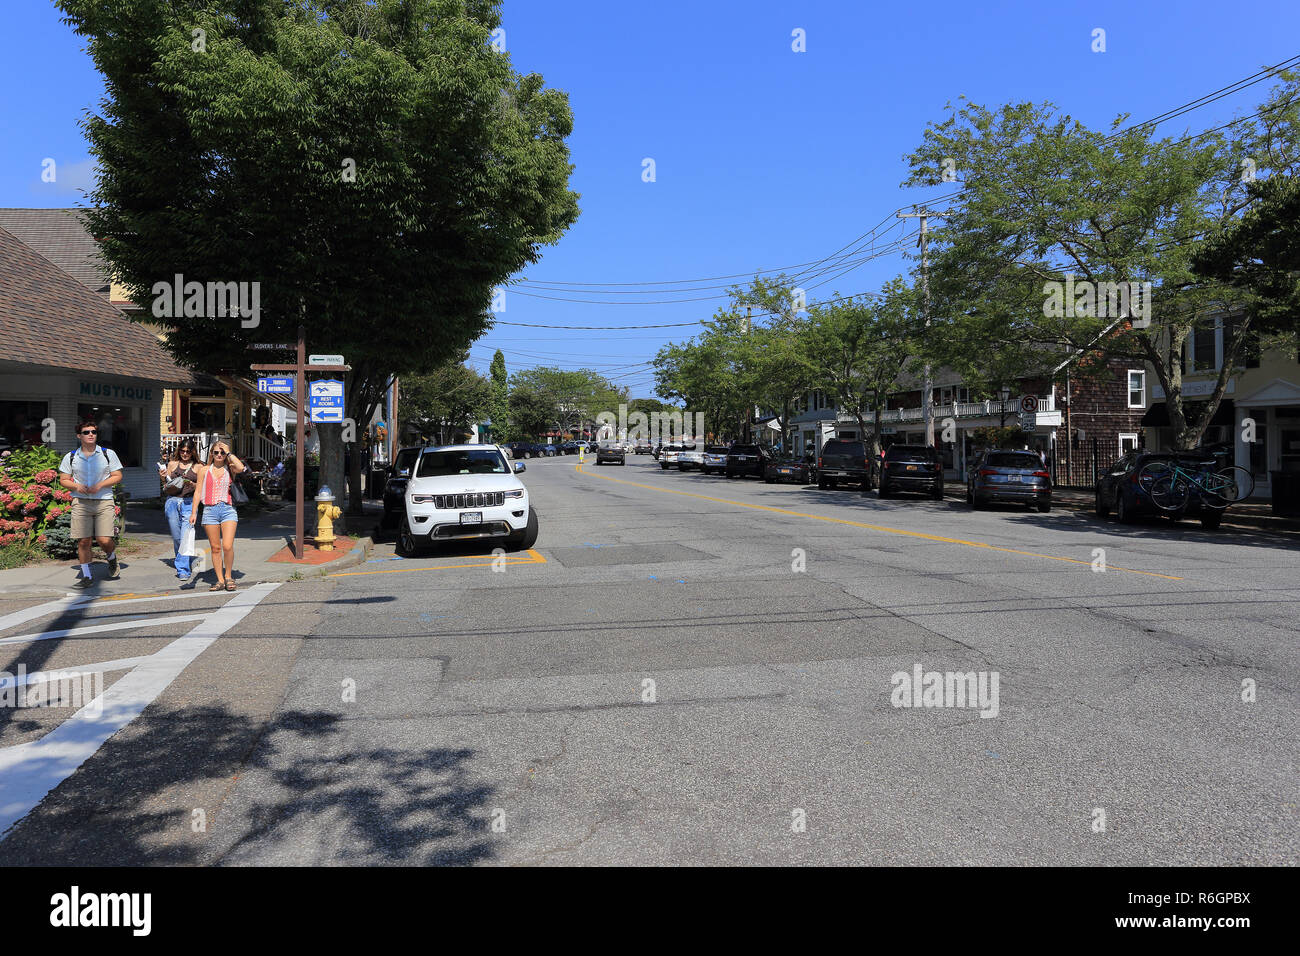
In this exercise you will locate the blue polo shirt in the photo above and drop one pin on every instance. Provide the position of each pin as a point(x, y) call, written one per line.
point(91, 470)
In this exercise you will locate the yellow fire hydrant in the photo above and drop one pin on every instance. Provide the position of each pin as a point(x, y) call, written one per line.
point(326, 512)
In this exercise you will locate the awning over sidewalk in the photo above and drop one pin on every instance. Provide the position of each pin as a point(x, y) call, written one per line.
point(1157, 416)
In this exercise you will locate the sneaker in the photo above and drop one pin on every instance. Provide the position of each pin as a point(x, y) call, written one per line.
point(83, 582)
point(112, 566)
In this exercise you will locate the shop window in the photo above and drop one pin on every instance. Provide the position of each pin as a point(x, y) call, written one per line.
point(1127, 443)
point(120, 428)
point(22, 422)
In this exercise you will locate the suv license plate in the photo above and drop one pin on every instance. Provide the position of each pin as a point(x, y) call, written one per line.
point(911, 467)
point(1015, 479)
point(471, 517)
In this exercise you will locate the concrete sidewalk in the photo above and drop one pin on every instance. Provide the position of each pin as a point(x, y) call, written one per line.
point(150, 568)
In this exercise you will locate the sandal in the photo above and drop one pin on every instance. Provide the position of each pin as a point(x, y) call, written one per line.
point(219, 586)
point(230, 586)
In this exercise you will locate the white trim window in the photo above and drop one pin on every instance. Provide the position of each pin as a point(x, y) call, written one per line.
point(1137, 388)
point(1127, 442)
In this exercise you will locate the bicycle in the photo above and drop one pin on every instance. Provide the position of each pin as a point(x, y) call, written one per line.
point(1170, 484)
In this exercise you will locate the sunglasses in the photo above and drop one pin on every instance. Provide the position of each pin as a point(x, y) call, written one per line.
point(91, 431)
point(218, 454)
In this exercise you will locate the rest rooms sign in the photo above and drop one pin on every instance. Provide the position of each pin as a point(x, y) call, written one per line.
point(326, 400)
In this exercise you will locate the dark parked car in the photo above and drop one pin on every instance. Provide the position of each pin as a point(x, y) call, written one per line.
point(612, 452)
point(845, 461)
point(911, 468)
point(1004, 475)
point(525, 449)
point(399, 473)
point(714, 459)
point(642, 447)
point(1121, 491)
point(745, 460)
point(569, 448)
point(801, 470)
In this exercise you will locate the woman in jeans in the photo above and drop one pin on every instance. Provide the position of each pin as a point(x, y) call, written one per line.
point(212, 489)
point(179, 476)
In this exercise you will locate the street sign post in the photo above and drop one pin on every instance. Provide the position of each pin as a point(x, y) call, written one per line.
point(300, 368)
point(1028, 421)
point(275, 385)
point(1028, 404)
point(327, 400)
point(325, 360)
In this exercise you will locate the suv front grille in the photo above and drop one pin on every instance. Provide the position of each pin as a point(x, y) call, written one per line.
point(485, 499)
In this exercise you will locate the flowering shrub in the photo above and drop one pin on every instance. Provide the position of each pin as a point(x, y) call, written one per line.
point(34, 508)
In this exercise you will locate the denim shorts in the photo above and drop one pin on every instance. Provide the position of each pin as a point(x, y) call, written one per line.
point(219, 514)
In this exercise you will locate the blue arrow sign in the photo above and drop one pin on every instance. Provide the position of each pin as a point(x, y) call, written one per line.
point(326, 400)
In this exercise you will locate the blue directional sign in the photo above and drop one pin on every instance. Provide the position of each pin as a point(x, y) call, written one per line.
point(326, 400)
point(278, 385)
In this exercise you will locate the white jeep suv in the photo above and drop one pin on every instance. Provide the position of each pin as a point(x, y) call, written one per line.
point(457, 492)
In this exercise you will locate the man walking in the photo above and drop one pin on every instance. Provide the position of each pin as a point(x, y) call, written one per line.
point(90, 473)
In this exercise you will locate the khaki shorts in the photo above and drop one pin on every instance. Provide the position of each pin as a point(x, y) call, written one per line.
point(92, 518)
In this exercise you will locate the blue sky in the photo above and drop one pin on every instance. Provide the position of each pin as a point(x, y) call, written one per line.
point(764, 157)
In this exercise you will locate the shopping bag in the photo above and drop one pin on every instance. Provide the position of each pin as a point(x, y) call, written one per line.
point(187, 542)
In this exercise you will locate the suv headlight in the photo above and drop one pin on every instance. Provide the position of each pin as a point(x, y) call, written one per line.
point(421, 499)
point(517, 493)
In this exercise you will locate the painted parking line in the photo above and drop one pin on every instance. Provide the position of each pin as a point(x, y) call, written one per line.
point(29, 771)
point(873, 527)
point(533, 558)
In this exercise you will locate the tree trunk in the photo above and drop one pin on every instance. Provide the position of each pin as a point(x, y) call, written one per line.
point(331, 471)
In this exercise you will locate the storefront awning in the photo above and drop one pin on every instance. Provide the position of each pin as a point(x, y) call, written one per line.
point(1157, 416)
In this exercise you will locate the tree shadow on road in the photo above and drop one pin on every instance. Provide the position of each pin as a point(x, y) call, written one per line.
point(292, 790)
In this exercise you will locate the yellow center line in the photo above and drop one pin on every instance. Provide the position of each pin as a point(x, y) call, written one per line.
point(533, 558)
point(872, 527)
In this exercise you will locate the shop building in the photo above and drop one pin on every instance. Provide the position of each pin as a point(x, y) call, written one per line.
point(67, 355)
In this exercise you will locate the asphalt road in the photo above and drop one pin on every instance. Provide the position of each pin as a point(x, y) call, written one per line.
point(696, 670)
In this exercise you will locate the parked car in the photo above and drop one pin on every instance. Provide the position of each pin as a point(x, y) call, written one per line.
point(745, 460)
point(690, 457)
point(668, 456)
point(1005, 475)
point(611, 452)
point(1121, 491)
point(911, 468)
point(800, 470)
point(525, 449)
point(550, 449)
point(657, 450)
point(569, 448)
point(399, 472)
point(459, 492)
point(642, 447)
point(845, 461)
point(714, 459)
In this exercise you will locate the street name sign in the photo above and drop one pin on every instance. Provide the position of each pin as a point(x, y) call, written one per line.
point(276, 385)
point(326, 400)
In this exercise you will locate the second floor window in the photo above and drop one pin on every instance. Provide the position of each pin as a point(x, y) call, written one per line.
point(1137, 389)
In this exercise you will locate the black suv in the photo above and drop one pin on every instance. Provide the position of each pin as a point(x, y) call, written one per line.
point(911, 468)
point(745, 460)
point(843, 460)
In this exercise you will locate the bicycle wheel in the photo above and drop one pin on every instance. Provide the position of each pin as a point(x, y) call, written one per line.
point(1168, 490)
point(1233, 483)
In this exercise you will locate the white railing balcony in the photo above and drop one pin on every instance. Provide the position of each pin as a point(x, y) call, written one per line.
point(961, 410)
point(257, 445)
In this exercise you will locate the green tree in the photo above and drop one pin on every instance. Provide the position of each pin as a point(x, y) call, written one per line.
point(859, 348)
point(1045, 196)
point(548, 398)
point(499, 402)
point(377, 167)
point(446, 402)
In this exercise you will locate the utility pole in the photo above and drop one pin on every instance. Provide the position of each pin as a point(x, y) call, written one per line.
point(927, 409)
